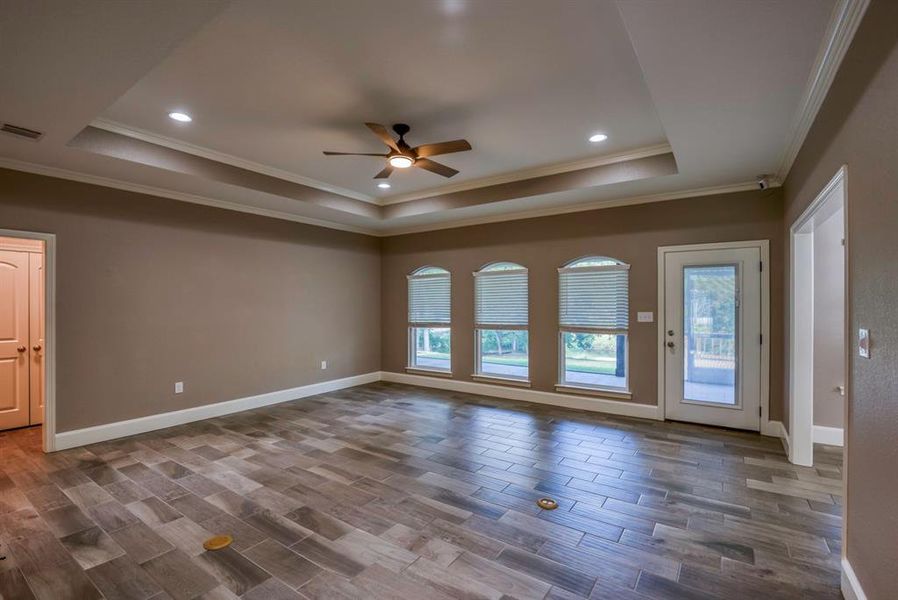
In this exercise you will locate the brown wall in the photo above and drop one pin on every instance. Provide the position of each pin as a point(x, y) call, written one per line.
point(631, 234)
point(858, 126)
point(150, 291)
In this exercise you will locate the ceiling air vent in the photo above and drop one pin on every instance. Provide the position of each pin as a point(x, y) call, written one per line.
point(22, 132)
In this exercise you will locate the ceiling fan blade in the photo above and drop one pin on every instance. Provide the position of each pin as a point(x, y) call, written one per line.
point(388, 170)
point(384, 135)
point(426, 150)
point(435, 167)
point(327, 153)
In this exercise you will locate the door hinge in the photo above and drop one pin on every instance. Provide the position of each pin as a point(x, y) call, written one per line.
point(761, 336)
point(760, 412)
point(761, 266)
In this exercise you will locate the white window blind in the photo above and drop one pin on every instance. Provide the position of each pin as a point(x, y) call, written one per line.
point(428, 299)
point(595, 297)
point(500, 298)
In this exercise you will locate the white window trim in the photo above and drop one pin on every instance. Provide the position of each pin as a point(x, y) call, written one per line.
point(480, 327)
point(580, 388)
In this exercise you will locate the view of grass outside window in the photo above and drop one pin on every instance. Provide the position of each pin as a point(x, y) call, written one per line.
point(431, 348)
point(504, 353)
point(595, 359)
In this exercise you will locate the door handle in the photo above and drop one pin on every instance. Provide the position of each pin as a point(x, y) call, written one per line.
point(21, 348)
point(36, 348)
point(670, 344)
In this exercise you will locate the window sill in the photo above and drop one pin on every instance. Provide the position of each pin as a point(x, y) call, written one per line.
point(502, 380)
point(613, 394)
point(430, 372)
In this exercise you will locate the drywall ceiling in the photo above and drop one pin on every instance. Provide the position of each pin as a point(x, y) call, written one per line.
point(694, 94)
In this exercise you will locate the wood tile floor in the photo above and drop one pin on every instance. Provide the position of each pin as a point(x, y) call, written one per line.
point(388, 491)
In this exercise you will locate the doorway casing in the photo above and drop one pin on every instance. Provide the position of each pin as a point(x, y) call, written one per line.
point(801, 317)
point(49, 239)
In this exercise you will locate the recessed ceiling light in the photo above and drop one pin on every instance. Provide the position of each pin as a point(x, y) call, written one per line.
point(401, 162)
point(598, 137)
point(383, 185)
point(180, 117)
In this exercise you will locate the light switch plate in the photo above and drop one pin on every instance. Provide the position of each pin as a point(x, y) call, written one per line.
point(645, 317)
point(323, 365)
point(179, 387)
point(863, 343)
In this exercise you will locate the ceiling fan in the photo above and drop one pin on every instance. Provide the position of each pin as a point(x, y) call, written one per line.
point(402, 156)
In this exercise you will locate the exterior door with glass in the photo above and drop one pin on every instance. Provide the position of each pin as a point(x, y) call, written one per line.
point(712, 336)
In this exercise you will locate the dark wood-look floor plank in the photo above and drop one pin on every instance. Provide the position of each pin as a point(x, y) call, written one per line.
point(389, 491)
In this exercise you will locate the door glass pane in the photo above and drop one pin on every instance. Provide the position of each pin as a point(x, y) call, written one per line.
point(710, 314)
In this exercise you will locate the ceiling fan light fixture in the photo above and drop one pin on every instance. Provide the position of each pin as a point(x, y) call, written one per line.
point(401, 162)
point(180, 117)
point(384, 185)
point(598, 137)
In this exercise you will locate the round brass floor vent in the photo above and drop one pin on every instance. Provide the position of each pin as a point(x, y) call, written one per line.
point(218, 542)
point(547, 503)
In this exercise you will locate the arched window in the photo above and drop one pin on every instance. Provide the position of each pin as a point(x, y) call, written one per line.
point(429, 335)
point(593, 317)
point(501, 318)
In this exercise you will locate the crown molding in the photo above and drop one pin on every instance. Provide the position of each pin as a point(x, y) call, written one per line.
point(511, 176)
point(586, 206)
point(228, 159)
point(36, 169)
point(58, 173)
point(845, 19)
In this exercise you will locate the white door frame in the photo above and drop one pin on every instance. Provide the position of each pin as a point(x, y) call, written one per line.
point(801, 334)
point(49, 239)
point(767, 427)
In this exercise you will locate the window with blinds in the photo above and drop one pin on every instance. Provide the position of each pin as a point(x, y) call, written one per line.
point(429, 335)
point(500, 297)
point(594, 297)
point(593, 317)
point(429, 297)
point(501, 316)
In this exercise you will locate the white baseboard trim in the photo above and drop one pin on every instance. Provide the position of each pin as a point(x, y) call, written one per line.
point(833, 436)
point(772, 428)
point(614, 407)
point(851, 587)
point(111, 431)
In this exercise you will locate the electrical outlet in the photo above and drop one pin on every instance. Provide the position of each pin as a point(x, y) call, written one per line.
point(179, 387)
point(645, 317)
point(323, 365)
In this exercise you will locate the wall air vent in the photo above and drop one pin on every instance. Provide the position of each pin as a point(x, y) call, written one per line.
point(22, 132)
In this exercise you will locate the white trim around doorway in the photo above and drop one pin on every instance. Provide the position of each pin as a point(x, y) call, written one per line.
point(768, 427)
point(801, 322)
point(49, 239)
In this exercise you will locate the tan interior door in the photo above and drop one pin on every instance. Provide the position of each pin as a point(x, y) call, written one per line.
point(14, 339)
point(36, 334)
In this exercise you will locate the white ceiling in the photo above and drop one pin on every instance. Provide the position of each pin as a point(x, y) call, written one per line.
point(524, 82)
point(272, 83)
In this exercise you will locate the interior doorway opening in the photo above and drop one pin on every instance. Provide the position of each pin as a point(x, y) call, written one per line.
point(27, 334)
point(818, 351)
point(22, 332)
